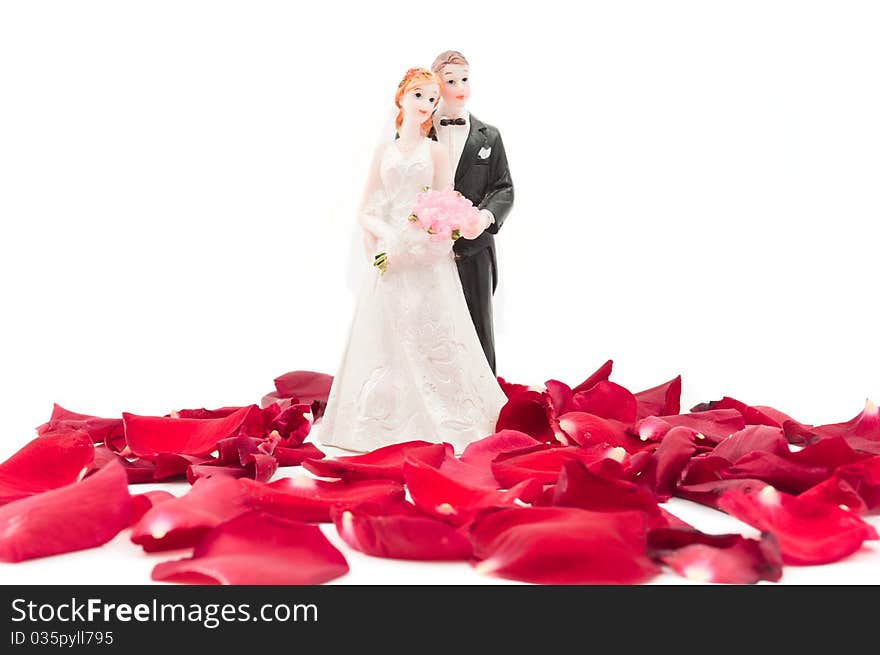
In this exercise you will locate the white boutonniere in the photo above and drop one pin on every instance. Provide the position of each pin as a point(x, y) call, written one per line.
point(484, 153)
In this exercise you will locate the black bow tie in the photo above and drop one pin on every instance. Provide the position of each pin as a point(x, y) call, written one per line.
point(452, 121)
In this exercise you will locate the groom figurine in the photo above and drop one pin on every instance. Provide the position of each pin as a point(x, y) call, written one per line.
point(480, 172)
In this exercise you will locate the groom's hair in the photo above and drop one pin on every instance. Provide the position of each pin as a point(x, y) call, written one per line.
point(448, 57)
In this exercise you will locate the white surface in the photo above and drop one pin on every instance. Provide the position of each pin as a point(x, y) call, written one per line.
point(696, 193)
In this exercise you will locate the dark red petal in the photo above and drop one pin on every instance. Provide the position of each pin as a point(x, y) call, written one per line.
point(829, 453)
point(562, 545)
point(662, 400)
point(704, 467)
point(455, 502)
point(171, 465)
point(608, 400)
point(526, 412)
point(544, 464)
point(601, 489)
point(862, 428)
point(601, 373)
point(179, 523)
point(753, 415)
point(714, 425)
point(101, 430)
point(855, 485)
point(511, 388)
point(726, 559)
point(305, 499)
point(296, 456)
point(260, 468)
point(148, 436)
point(709, 493)
point(808, 532)
point(588, 429)
point(142, 503)
point(784, 474)
point(664, 471)
point(292, 423)
point(558, 397)
point(400, 531)
point(382, 463)
point(480, 454)
point(752, 438)
point(836, 491)
point(258, 549)
point(48, 462)
point(304, 385)
point(74, 517)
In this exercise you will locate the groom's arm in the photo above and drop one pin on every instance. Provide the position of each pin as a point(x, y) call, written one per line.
point(499, 193)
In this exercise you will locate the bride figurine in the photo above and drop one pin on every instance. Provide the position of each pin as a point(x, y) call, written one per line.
point(413, 367)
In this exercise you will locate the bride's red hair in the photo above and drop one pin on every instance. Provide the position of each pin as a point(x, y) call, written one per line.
point(414, 77)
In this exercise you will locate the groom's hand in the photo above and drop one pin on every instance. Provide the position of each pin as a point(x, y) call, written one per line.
point(487, 218)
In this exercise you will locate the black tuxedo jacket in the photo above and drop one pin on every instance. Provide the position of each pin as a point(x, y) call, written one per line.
point(483, 177)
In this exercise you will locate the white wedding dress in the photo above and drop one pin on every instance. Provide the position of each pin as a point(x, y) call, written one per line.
point(413, 367)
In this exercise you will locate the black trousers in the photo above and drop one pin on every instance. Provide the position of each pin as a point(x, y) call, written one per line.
point(479, 278)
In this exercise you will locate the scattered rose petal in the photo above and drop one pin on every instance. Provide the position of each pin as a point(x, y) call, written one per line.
point(545, 463)
point(664, 470)
point(526, 412)
point(709, 493)
point(48, 462)
point(148, 436)
point(181, 522)
point(256, 548)
point(600, 487)
point(562, 545)
point(784, 474)
point(860, 429)
point(260, 468)
point(715, 425)
point(480, 454)
point(296, 456)
point(584, 429)
point(608, 400)
point(142, 503)
point(382, 463)
point(305, 499)
point(601, 373)
point(662, 400)
point(102, 430)
point(450, 500)
point(724, 559)
point(808, 532)
point(73, 517)
point(400, 531)
point(752, 438)
point(753, 415)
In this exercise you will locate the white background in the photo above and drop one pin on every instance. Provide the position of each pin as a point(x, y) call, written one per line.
point(696, 193)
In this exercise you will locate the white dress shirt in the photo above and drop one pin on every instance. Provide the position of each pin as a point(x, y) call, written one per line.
point(453, 137)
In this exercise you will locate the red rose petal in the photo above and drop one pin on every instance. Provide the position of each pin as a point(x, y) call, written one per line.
point(383, 463)
point(148, 436)
point(667, 463)
point(400, 531)
point(601, 489)
point(662, 400)
point(544, 464)
point(307, 386)
point(856, 485)
point(752, 438)
point(526, 412)
point(753, 415)
point(181, 522)
point(715, 425)
point(836, 491)
point(558, 397)
point(305, 499)
point(808, 532)
point(709, 493)
point(454, 502)
point(480, 454)
point(829, 453)
point(608, 400)
point(258, 549)
point(584, 429)
point(862, 428)
point(142, 503)
point(47, 462)
point(601, 373)
point(292, 423)
point(296, 456)
point(725, 559)
point(562, 545)
point(260, 468)
point(74, 517)
point(102, 430)
point(784, 474)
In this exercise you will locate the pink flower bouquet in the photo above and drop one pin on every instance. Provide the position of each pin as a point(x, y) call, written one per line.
point(446, 215)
